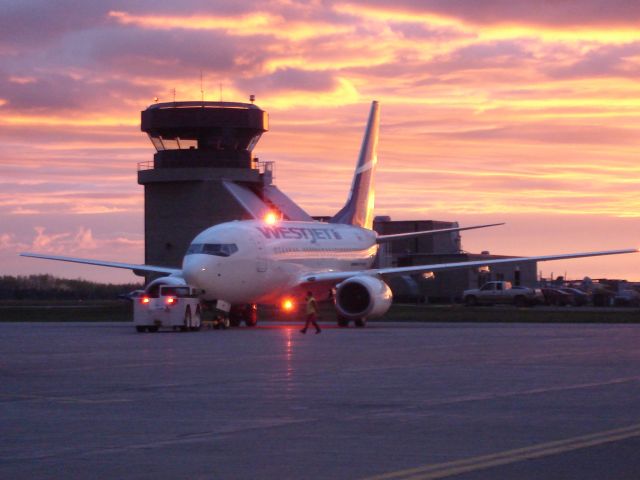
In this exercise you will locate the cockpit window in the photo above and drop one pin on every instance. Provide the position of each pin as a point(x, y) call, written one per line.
point(217, 249)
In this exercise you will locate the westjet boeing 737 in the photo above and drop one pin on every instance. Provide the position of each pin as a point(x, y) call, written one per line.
point(249, 262)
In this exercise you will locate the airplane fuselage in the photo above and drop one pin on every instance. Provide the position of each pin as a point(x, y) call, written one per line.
point(251, 261)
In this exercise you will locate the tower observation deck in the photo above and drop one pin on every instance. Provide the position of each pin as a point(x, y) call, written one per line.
point(204, 173)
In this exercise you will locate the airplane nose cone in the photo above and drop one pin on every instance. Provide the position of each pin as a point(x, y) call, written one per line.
point(194, 269)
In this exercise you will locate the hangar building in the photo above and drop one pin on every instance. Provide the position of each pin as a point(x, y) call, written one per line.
point(441, 248)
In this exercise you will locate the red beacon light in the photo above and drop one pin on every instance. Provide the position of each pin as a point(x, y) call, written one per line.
point(270, 218)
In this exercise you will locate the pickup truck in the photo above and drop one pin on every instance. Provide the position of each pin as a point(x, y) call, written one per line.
point(502, 292)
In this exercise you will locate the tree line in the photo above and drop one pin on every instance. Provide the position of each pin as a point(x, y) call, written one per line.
point(48, 287)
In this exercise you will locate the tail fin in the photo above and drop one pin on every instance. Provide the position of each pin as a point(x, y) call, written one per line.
point(359, 207)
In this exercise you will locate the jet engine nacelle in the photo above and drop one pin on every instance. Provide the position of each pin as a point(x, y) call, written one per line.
point(174, 281)
point(362, 297)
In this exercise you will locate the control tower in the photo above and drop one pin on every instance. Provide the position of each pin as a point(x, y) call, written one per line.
point(204, 173)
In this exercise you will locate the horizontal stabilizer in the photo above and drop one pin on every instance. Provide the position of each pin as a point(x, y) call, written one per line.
point(402, 236)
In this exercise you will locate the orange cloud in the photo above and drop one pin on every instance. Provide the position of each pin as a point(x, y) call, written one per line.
point(251, 24)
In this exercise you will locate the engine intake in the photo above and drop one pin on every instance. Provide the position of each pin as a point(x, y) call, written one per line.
point(362, 297)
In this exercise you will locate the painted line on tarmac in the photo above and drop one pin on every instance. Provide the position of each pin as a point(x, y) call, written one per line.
point(457, 467)
point(60, 399)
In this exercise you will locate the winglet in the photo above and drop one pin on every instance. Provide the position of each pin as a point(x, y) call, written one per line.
point(359, 207)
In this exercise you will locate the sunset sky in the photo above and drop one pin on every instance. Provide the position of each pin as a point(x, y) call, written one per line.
point(500, 110)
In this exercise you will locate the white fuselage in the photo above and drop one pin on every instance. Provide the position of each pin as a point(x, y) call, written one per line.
point(251, 261)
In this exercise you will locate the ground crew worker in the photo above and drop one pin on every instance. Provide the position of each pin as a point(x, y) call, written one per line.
point(312, 312)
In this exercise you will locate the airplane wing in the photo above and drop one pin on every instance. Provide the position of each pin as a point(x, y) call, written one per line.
point(402, 236)
point(137, 269)
point(336, 277)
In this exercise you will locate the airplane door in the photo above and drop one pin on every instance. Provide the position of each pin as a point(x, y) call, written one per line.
point(261, 257)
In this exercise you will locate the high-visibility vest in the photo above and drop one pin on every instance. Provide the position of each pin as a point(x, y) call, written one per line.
point(311, 305)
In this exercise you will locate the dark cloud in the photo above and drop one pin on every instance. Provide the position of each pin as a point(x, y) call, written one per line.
point(502, 61)
point(542, 13)
point(420, 31)
point(482, 56)
point(603, 61)
point(58, 93)
point(290, 79)
point(32, 23)
point(169, 53)
point(16, 135)
point(567, 134)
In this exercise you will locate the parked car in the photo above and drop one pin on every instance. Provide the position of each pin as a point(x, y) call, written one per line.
point(602, 297)
point(555, 296)
point(579, 297)
point(500, 292)
point(627, 298)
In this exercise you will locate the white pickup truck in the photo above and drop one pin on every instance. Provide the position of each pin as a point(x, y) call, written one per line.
point(502, 292)
point(168, 306)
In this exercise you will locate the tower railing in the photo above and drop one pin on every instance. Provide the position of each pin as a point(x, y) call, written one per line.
point(266, 169)
point(148, 165)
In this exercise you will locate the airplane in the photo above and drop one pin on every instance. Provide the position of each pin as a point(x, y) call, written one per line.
point(270, 261)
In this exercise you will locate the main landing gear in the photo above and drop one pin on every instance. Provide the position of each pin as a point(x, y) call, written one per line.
point(343, 322)
point(244, 313)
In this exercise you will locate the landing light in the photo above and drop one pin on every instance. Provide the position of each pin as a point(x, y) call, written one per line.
point(287, 305)
point(428, 275)
point(145, 300)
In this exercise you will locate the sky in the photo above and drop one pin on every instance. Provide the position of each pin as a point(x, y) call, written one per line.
point(500, 110)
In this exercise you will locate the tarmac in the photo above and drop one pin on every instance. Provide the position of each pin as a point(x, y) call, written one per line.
point(390, 401)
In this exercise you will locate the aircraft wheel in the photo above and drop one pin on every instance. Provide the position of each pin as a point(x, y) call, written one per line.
point(360, 322)
point(196, 321)
point(342, 321)
point(153, 329)
point(141, 329)
point(520, 301)
point(187, 320)
point(470, 301)
point(236, 316)
point(251, 315)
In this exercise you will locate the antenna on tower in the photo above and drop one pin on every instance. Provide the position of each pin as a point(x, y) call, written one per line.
point(173, 92)
point(201, 88)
